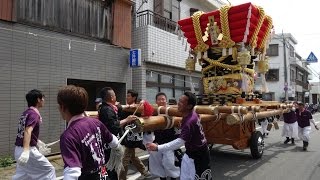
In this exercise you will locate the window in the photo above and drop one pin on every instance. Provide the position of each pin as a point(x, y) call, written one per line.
point(166, 78)
point(272, 75)
point(292, 76)
point(172, 84)
point(291, 51)
point(195, 83)
point(168, 8)
point(179, 80)
point(268, 96)
point(151, 77)
point(151, 94)
point(273, 50)
point(300, 76)
point(168, 91)
point(178, 93)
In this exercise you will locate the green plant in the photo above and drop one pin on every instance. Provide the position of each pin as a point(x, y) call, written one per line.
point(6, 161)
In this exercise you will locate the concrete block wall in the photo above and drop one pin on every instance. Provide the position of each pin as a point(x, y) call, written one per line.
point(44, 61)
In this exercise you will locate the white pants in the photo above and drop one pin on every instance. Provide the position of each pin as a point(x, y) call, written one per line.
point(162, 164)
point(37, 168)
point(264, 125)
point(304, 133)
point(188, 169)
point(189, 172)
point(290, 130)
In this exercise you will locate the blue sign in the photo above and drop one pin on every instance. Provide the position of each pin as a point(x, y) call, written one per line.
point(312, 58)
point(135, 58)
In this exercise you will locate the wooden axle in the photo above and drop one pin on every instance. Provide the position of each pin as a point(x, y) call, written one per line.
point(200, 109)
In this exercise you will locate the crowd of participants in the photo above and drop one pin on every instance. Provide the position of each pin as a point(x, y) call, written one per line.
point(88, 144)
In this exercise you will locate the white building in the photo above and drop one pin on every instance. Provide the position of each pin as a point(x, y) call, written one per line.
point(163, 54)
point(314, 93)
point(288, 73)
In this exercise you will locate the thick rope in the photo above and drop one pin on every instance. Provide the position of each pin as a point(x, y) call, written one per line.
point(116, 155)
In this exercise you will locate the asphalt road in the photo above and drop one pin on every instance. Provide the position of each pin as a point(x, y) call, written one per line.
point(279, 161)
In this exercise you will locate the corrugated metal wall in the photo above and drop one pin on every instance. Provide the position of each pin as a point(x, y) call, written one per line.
point(30, 60)
point(91, 18)
point(122, 23)
point(6, 10)
point(85, 17)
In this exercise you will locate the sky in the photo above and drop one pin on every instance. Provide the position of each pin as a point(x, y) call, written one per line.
point(300, 18)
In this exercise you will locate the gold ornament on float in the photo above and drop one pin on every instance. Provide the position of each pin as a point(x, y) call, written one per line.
point(263, 65)
point(263, 68)
point(244, 58)
point(190, 64)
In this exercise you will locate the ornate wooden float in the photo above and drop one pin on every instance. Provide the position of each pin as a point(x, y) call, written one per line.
point(226, 43)
point(230, 45)
point(230, 125)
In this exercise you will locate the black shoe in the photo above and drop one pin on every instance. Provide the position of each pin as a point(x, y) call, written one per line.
point(178, 154)
point(286, 141)
point(305, 145)
point(292, 141)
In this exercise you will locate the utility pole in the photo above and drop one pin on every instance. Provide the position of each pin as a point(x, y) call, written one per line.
point(285, 68)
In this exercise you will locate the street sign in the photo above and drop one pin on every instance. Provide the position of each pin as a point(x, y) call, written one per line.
point(135, 58)
point(285, 87)
point(312, 58)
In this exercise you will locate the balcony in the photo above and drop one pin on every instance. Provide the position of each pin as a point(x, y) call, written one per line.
point(295, 62)
point(304, 85)
point(148, 17)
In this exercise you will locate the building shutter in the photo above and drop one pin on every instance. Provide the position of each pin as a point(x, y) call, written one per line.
point(122, 23)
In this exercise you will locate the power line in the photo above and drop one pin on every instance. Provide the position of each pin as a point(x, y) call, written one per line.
point(310, 34)
point(314, 72)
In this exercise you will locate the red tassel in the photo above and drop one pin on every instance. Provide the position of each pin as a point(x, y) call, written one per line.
point(147, 109)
